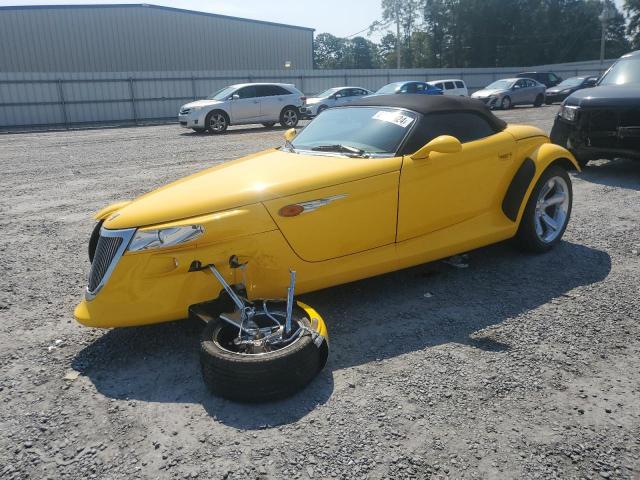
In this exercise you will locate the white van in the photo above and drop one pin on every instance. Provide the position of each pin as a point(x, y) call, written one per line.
point(452, 86)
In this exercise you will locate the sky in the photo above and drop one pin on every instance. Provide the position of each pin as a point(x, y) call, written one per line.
point(339, 17)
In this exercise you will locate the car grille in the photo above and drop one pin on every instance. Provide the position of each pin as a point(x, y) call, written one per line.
point(111, 245)
point(105, 252)
point(613, 128)
point(184, 111)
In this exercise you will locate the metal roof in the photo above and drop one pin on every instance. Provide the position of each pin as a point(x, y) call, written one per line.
point(148, 5)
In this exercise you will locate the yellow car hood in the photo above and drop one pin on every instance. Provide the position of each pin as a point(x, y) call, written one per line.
point(256, 178)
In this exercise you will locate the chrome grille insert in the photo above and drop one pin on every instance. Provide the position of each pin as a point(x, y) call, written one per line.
point(111, 245)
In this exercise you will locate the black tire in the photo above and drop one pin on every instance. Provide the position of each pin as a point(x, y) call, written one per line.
point(93, 240)
point(262, 377)
point(527, 238)
point(221, 124)
point(268, 124)
point(538, 101)
point(505, 103)
point(289, 117)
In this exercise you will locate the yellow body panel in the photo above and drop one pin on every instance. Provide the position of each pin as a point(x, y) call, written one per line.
point(351, 238)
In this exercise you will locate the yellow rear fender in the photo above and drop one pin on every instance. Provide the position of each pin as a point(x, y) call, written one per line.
point(528, 174)
point(108, 210)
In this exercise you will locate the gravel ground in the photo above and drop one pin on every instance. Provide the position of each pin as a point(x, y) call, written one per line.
point(518, 366)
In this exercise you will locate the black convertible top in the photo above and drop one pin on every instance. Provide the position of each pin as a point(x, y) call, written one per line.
point(439, 117)
point(426, 104)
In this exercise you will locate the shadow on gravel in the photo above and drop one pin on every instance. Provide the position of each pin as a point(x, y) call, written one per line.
point(377, 318)
point(239, 130)
point(159, 363)
point(433, 304)
point(623, 173)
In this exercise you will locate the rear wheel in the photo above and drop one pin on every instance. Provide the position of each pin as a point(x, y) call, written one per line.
point(266, 366)
point(217, 122)
point(547, 213)
point(505, 104)
point(289, 117)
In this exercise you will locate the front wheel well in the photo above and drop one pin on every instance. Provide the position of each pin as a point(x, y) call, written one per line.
point(565, 163)
point(218, 110)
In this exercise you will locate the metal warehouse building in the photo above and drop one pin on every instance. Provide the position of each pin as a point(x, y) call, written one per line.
point(140, 37)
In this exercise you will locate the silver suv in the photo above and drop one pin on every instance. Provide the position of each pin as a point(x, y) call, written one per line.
point(244, 103)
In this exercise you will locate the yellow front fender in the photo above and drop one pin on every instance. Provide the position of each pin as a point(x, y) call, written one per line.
point(108, 210)
point(543, 157)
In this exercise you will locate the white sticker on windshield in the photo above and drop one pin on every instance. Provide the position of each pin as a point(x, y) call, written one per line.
point(394, 117)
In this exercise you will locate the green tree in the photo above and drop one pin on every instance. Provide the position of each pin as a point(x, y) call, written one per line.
point(632, 9)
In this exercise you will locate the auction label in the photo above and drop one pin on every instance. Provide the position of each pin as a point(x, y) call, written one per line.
point(393, 117)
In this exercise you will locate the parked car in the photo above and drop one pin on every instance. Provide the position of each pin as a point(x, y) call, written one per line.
point(567, 87)
point(409, 87)
point(508, 92)
point(603, 122)
point(549, 79)
point(384, 183)
point(245, 103)
point(332, 98)
point(452, 86)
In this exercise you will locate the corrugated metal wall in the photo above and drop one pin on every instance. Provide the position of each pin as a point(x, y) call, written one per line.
point(68, 99)
point(109, 38)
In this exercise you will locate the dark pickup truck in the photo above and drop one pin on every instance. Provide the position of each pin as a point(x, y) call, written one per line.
point(603, 122)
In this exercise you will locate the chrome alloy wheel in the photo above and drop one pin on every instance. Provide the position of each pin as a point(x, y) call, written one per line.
point(552, 207)
point(290, 118)
point(218, 122)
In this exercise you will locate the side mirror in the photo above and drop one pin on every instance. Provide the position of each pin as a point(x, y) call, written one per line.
point(235, 96)
point(441, 144)
point(290, 134)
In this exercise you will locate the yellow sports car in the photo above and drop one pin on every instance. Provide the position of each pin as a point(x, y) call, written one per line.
point(382, 184)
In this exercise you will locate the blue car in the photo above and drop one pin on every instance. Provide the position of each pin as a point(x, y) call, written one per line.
point(409, 87)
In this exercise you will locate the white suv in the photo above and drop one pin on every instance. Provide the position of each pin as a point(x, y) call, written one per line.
point(265, 103)
point(453, 86)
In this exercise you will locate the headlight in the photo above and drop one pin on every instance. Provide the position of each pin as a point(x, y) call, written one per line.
point(569, 113)
point(164, 237)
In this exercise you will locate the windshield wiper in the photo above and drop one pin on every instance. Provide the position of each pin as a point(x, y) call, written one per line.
point(341, 148)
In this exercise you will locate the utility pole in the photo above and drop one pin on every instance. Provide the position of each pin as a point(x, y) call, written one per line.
point(605, 16)
point(398, 46)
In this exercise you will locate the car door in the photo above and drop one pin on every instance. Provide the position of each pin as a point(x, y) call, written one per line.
point(266, 95)
point(447, 189)
point(342, 97)
point(245, 106)
point(519, 93)
point(346, 217)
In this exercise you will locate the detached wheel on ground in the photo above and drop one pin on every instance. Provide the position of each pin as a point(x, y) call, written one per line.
point(255, 369)
point(538, 101)
point(268, 124)
point(217, 122)
point(505, 104)
point(547, 212)
point(289, 117)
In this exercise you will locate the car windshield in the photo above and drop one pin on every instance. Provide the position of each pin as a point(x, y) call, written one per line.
point(222, 94)
point(391, 88)
point(499, 85)
point(327, 93)
point(360, 130)
point(622, 72)
point(570, 82)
